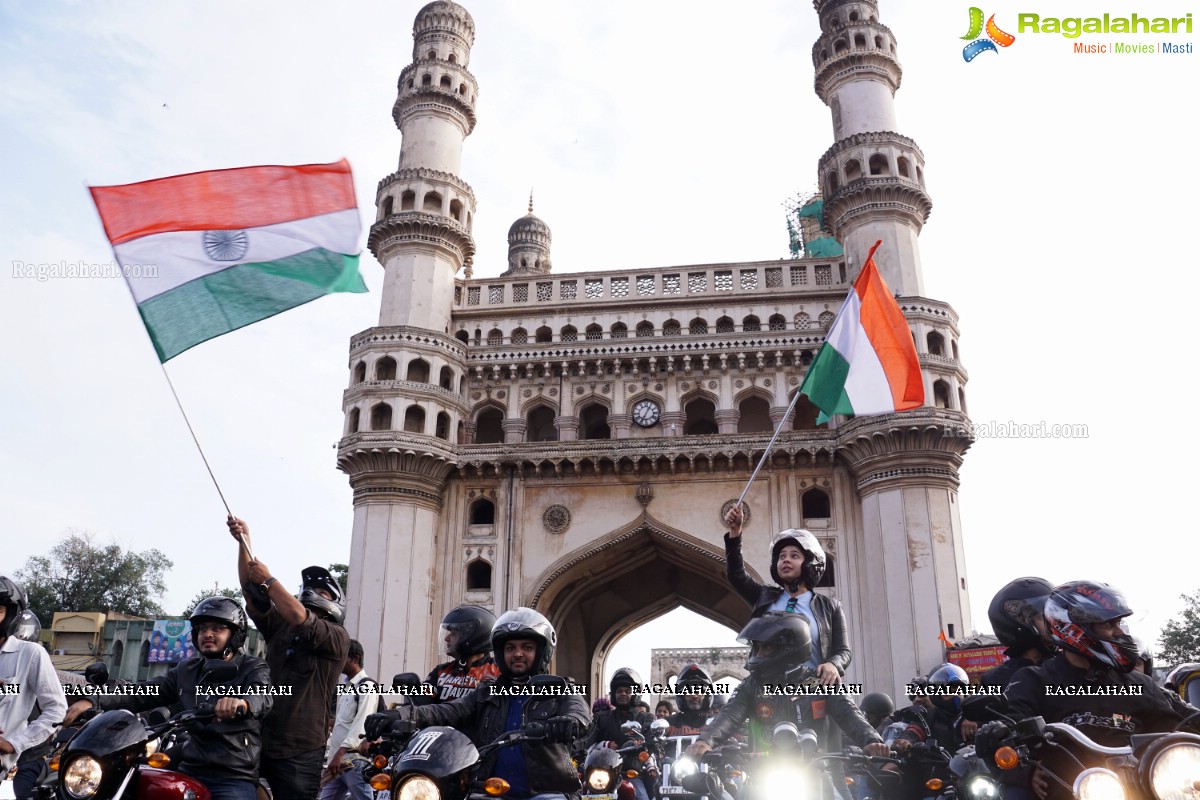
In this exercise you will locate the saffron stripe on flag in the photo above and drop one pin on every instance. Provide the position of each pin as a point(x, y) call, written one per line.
point(891, 339)
point(244, 197)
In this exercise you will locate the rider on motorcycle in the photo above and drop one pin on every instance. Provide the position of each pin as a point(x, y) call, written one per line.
point(624, 692)
point(779, 648)
point(1018, 622)
point(693, 704)
point(524, 641)
point(224, 753)
point(939, 719)
point(468, 637)
point(1086, 619)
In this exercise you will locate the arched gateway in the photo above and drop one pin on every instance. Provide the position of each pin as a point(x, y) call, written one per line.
point(586, 429)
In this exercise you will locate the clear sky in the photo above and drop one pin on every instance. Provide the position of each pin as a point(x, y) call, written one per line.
point(653, 134)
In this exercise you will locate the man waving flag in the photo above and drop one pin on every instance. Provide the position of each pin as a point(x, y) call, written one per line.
point(868, 364)
point(232, 246)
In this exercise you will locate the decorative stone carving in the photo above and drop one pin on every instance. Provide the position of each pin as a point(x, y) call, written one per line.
point(645, 493)
point(556, 519)
point(730, 504)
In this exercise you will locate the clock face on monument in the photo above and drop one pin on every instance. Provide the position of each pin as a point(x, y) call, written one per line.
point(645, 413)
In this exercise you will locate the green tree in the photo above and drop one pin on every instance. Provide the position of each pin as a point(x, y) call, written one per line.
point(1180, 638)
point(81, 575)
point(224, 591)
point(340, 573)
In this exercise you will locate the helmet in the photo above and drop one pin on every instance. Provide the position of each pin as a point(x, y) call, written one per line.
point(1183, 681)
point(693, 677)
point(948, 675)
point(27, 627)
point(814, 562)
point(625, 676)
point(780, 644)
point(225, 611)
point(1014, 611)
point(877, 704)
point(14, 600)
point(314, 578)
point(1075, 607)
point(718, 702)
point(473, 624)
point(524, 623)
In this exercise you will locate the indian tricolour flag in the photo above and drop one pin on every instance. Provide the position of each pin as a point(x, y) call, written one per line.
point(211, 252)
point(868, 364)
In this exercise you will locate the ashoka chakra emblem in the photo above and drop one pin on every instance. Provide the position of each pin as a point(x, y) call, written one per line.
point(556, 519)
point(226, 245)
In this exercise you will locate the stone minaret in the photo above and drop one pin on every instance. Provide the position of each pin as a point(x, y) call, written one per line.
point(873, 178)
point(908, 552)
point(405, 407)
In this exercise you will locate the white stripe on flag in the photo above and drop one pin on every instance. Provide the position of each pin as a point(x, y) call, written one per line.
point(181, 256)
point(866, 383)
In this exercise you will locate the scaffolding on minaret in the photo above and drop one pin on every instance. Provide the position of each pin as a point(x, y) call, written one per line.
point(807, 234)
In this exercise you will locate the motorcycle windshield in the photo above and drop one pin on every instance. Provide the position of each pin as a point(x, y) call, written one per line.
point(437, 752)
point(108, 733)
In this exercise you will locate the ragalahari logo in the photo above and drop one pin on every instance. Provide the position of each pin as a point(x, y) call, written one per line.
point(995, 36)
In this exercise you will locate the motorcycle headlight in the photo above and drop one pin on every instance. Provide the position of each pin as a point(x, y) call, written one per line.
point(1099, 784)
point(981, 787)
point(1174, 772)
point(783, 783)
point(599, 779)
point(81, 778)
point(418, 787)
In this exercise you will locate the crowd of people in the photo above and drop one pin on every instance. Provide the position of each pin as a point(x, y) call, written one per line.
point(309, 741)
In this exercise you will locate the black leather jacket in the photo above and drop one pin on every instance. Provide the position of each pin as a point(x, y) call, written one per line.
point(831, 620)
point(607, 725)
point(482, 714)
point(806, 711)
point(227, 750)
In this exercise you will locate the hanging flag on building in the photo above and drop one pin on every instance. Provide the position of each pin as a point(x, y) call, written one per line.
point(868, 364)
point(231, 247)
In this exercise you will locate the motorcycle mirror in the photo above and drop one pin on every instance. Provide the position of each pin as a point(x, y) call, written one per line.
point(409, 679)
point(217, 670)
point(96, 674)
point(659, 727)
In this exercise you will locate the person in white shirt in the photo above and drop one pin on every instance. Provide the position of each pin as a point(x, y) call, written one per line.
point(26, 678)
point(341, 774)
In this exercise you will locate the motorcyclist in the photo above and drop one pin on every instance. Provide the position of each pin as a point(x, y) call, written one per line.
point(223, 754)
point(694, 693)
point(1017, 620)
point(467, 632)
point(624, 692)
point(938, 721)
point(878, 708)
point(797, 565)
point(1085, 619)
point(524, 642)
point(779, 649)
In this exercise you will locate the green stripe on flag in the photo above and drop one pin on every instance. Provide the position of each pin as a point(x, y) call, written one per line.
point(825, 384)
point(242, 295)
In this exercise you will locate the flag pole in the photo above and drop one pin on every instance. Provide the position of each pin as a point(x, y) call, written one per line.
point(778, 428)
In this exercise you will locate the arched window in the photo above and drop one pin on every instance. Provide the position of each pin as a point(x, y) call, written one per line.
point(144, 655)
point(385, 369)
point(754, 416)
point(387, 206)
point(427, 80)
point(815, 504)
point(700, 417)
point(442, 429)
point(381, 417)
point(520, 336)
point(593, 332)
point(803, 321)
point(544, 334)
point(860, 40)
point(479, 576)
point(751, 324)
point(724, 325)
point(670, 328)
point(825, 320)
point(446, 379)
point(619, 331)
point(495, 337)
point(118, 654)
point(488, 426)
point(878, 165)
point(418, 371)
point(935, 343)
point(646, 328)
point(352, 423)
point(360, 372)
point(777, 322)
point(902, 167)
point(941, 394)
point(431, 55)
point(432, 202)
point(408, 200)
point(831, 183)
point(463, 337)
point(456, 208)
point(568, 334)
point(539, 425)
point(414, 420)
point(483, 512)
point(962, 400)
point(698, 326)
point(445, 82)
point(593, 423)
point(804, 418)
point(853, 170)
point(954, 348)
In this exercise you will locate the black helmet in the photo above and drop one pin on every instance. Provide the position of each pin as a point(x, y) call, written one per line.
point(14, 600)
point(625, 676)
point(473, 624)
point(225, 611)
point(524, 623)
point(877, 704)
point(1014, 612)
point(814, 562)
point(948, 675)
point(693, 677)
point(27, 627)
point(780, 644)
point(314, 578)
point(1185, 681)
point(1075, 607)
